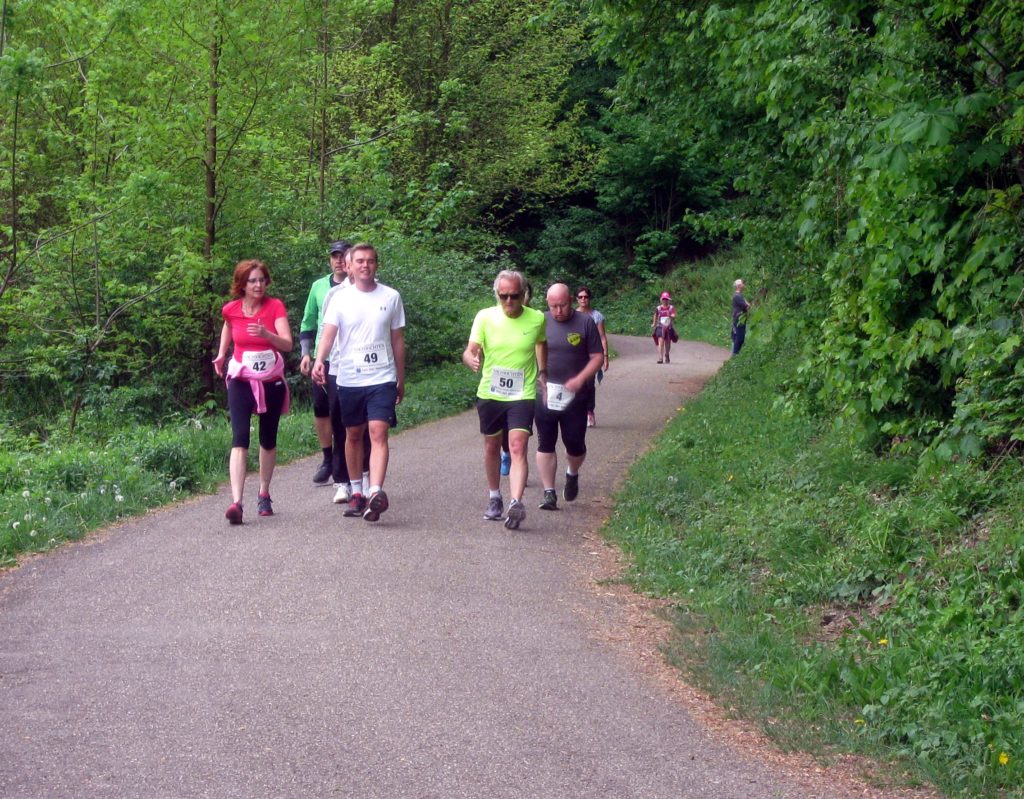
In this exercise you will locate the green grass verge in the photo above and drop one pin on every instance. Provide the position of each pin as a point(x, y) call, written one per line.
point(57, 491)
point(839, 597)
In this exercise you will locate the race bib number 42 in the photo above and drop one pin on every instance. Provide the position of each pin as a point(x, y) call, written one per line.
point(259, 362)
point(508, 383)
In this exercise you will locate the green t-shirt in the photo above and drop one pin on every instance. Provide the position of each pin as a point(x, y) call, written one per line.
point(509, 347)
point(312, 323)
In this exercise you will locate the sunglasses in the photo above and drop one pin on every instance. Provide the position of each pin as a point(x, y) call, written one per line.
point(514, 296)
point(582, 296)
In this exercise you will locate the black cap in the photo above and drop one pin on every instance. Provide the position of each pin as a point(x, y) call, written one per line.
point(339, 246)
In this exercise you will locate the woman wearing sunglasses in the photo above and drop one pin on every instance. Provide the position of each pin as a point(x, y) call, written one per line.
point(583, 297)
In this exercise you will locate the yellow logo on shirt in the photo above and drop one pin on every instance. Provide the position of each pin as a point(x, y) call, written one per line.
point(574, 339)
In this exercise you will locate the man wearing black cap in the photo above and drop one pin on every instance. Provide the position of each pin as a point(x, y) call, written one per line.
point(326, 415)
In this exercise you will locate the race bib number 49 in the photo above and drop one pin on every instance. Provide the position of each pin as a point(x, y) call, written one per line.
point(259, 362)
point(370, 357)
point(508, 383)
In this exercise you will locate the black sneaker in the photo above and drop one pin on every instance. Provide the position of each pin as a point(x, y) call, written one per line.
point(516, 514)
point(263, 505)
point(550, 500)
point(571, 489)
point(356, 506)
point(376, 506)
point(323, 474)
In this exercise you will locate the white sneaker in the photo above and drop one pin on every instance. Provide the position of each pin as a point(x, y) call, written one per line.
point(341, 495)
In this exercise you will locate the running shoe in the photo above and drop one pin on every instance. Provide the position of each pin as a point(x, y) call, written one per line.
point(376, 506)
point(341, 493)
point(667, 359)
point(234, 513)
point(323, 474)
point(550, 500)
point(493, 512)
point(263, 505)
point(571, 489)
point(506, 463)
point(356, 505)
point(659, 360)
point(515, 515)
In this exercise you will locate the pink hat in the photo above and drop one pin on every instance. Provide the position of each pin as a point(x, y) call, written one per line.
point(666, 296)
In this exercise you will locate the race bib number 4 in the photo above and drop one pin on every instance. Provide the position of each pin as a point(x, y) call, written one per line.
point(559, 397)
point(370, 357)
point(508, 383)
point(259, 362)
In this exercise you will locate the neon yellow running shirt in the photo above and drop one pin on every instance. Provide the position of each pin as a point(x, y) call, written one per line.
point(509, 370)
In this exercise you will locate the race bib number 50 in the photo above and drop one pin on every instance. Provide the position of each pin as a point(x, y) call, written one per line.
point(508, 383)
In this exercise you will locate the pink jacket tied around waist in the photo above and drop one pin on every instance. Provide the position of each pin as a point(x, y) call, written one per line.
point(239, 371)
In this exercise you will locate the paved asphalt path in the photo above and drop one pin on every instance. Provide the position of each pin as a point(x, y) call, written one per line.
point(433, 654)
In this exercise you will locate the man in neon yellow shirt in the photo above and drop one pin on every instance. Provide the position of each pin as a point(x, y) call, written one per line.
point(508, 347)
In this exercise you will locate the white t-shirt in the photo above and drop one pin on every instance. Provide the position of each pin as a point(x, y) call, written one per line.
point(333, 359)
point(364, 320)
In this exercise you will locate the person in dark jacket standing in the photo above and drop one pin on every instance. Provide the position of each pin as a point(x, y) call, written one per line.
point(740, 306)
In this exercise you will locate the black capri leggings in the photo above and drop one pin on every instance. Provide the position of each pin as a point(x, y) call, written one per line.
point(242, 404)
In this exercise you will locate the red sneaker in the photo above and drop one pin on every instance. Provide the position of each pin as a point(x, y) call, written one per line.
point(356, 506)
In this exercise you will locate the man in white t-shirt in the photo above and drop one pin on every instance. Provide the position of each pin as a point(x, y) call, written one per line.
point(366, 325)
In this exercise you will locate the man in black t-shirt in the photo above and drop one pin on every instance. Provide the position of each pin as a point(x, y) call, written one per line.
point(575, 354)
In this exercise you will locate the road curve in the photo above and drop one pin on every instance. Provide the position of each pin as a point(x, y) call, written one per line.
point(433, 654)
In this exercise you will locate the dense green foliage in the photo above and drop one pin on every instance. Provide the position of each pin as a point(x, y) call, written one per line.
point(148, 147)
point(831, 592)
point(888, 139)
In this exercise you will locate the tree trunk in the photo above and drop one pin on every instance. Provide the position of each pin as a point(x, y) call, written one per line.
point(211, 150)
point(12, 267)
point(3, 27)
point(210, 239)
point(325, 46)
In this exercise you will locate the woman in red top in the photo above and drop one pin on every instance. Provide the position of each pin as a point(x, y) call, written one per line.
point(663, 326)
point(257, 325)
